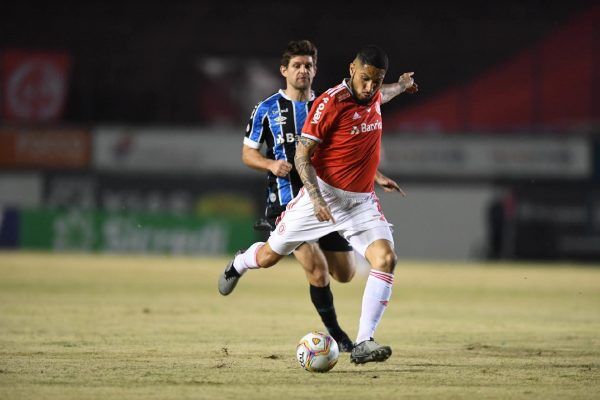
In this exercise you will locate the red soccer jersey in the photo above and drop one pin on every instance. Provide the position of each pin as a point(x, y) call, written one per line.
point(349, 136)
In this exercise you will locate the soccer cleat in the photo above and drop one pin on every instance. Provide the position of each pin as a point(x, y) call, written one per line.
point(229, 278)
point(345, 345)
point(369, 351)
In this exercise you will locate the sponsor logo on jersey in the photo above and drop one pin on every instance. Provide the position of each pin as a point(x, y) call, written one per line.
point(284, 110)
point(364, 128)
point(319, 111)
point(288, 137)
point(281, 119)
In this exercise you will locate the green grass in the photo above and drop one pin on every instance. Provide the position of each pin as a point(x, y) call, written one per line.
point(79, 326)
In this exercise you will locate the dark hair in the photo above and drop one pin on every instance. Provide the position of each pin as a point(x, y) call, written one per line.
point(298, 48)
point(374, 56)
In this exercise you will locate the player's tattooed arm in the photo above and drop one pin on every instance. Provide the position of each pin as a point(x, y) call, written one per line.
point(405, 83)
point(308, 175)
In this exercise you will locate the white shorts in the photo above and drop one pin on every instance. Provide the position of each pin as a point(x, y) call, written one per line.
point(358, 218)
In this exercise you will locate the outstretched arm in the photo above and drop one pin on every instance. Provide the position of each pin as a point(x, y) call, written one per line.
point(405, 83)
point(304, 151)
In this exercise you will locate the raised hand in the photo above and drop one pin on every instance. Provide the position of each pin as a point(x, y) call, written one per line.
point(408, 83)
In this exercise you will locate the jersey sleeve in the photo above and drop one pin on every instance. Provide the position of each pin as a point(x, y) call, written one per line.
point(254, 130)
point(320, 118)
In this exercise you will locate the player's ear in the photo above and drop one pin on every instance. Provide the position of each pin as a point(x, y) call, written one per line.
point(352, 68)
point(283, 70)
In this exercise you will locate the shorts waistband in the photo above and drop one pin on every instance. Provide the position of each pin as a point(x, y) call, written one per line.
point(344, 194)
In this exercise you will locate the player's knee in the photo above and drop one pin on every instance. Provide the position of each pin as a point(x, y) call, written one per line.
point(317, 274)
point(386, 262)
point(319, 280)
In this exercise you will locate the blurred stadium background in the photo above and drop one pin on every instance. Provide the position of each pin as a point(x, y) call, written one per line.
point(121, 124)
point(121, 130)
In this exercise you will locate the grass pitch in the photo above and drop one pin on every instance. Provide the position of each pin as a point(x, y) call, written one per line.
point(85, 326)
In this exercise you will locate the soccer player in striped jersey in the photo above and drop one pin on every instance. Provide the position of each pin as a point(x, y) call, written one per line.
point(277, 122)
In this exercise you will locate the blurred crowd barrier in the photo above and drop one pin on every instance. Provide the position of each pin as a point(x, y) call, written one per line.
point(171, 190)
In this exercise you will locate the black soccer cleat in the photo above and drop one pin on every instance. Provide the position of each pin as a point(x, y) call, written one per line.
point(369, 351)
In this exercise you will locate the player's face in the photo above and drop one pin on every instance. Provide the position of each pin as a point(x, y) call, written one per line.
point(366, 80)
point(299, 72)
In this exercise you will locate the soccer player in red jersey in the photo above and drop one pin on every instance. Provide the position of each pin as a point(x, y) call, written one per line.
point(337, 158)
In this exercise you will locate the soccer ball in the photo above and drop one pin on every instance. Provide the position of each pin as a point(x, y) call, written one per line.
point(317, 352)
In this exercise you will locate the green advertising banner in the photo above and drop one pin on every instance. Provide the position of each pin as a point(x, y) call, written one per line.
point(76, 230)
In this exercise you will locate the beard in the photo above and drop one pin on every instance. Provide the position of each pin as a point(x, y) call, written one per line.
point(359, 100)
point(301, 84)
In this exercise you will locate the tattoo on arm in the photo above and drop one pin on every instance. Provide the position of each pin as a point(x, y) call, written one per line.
point(304, 151)
point(390, 91)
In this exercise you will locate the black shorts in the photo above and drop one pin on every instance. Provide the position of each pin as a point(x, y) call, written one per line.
point(330, 242)
point(334, 242)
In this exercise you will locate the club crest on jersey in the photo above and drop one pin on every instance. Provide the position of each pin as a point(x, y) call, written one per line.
point(281, 228)
point(343, 95)
point(378, 109)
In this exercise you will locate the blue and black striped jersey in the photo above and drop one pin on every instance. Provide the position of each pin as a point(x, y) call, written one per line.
point(277, 121)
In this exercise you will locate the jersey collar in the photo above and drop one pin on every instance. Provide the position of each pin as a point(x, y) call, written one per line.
point(285, 96)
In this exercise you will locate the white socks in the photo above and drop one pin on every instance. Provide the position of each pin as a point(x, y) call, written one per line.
point(247, 260)
point(375, 300)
